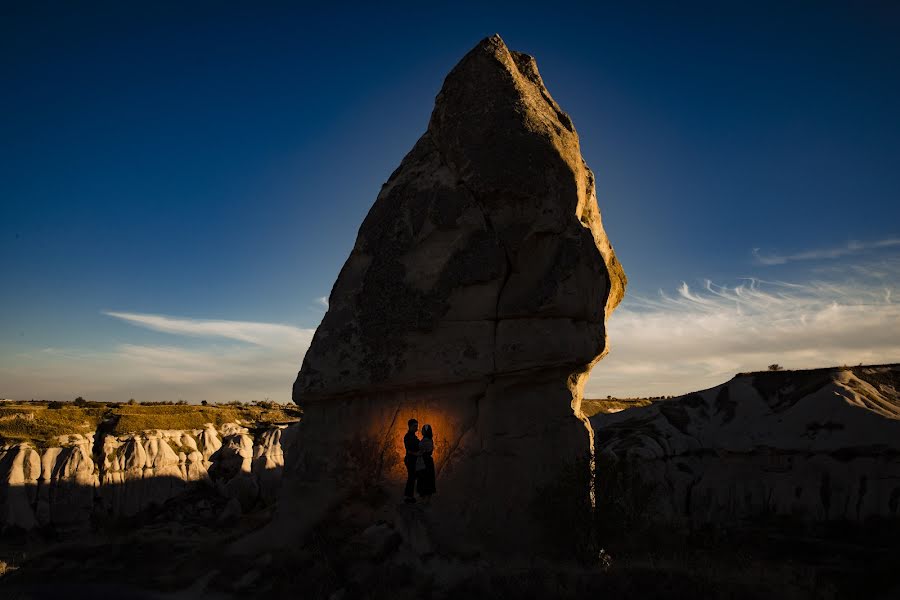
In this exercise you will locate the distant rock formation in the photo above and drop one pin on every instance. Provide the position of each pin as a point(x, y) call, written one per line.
point(65, 486)
point(475, 300)
point(814, 445)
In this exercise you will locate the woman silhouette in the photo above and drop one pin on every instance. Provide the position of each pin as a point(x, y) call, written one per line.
point(425, 468)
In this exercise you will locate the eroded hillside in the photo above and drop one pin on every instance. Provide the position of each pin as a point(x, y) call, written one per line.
point(66, 466)
point(816, 445)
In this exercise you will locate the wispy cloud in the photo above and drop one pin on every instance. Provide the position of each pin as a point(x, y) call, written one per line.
point(848, 249)
point(686, 339)
point(699, 336)
point(270, 335)
point(235, 360)
point(322, 301)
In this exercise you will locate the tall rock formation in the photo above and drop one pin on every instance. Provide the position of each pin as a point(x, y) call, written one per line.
point(475, 300)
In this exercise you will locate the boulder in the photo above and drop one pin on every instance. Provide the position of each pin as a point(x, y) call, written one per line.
point(474, 299)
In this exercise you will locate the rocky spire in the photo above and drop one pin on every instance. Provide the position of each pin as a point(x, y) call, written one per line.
point(475, 296)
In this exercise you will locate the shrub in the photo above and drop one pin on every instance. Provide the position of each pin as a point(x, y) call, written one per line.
point(776, 367)
point(564, 512)
point(79, 401)
point(623, 500)
point(365, 461)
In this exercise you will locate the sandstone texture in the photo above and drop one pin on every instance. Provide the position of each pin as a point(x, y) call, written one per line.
point(816, 445)
point(475, 300)
point(68, 485)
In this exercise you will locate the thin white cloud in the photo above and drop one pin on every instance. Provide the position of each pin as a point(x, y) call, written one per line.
point(270, 335)
point(240, 360)
point(322, 301)
point(697, 338)
point(154, 372)
point(847, 249)
point(691, 338)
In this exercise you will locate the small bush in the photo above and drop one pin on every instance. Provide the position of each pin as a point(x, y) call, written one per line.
point(563, 509)
point(624, 502)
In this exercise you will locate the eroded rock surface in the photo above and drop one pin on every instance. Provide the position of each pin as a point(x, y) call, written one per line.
point(65, 486)
point(474, 299)
point(816, 445)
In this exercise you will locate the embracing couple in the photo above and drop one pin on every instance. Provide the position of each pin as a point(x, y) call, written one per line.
point(419, 462)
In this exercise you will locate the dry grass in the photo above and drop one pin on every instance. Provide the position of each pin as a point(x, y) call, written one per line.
point(139, 418)
point(41, 425)
point(34, 422)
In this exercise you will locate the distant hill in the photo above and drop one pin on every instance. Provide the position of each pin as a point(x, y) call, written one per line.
point(41, 423)
point(818, 444)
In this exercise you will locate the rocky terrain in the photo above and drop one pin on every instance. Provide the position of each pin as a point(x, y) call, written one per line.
point(475, 300)
point(696, 497)
point(71, 481)
point(819, 445)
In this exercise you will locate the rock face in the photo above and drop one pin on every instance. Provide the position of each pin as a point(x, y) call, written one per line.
point(66, 486)
point(474, 299)
point(817, 445)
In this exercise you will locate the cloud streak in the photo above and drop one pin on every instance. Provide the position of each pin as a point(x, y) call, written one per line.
point(689, 338)
point(236, 360)
point(848, 249)
point(698, 337)
point(270, 335)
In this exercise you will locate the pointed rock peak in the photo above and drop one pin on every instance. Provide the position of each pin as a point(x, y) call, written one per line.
point(480, 281)
point(497, 85)
point(494, 44)
point(495, 47)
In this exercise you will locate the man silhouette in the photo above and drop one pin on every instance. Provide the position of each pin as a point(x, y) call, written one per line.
point(411, 442)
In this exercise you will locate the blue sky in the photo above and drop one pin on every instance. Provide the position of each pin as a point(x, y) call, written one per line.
point(180, 185)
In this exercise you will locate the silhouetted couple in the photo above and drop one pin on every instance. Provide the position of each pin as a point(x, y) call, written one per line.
point(419, 462)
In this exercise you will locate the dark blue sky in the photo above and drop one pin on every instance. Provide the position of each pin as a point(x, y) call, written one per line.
point(215, 161)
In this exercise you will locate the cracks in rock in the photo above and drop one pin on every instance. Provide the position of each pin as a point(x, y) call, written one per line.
point(490, 226)
point(477, 399)
point(386, 442)
point(104, 428)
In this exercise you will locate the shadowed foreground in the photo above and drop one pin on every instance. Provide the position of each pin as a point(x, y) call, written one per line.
point(369, 545)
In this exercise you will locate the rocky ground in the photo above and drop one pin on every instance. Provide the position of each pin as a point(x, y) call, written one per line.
point(372, 548)
point(370, 545)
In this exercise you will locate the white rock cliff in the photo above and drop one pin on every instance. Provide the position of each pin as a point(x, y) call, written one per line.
point(65, 485)
point(814, 445)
